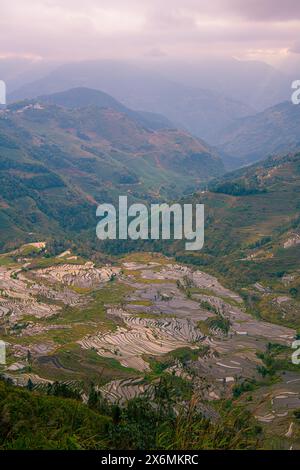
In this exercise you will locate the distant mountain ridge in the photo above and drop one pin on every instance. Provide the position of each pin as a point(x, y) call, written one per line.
point(273, 131)
point(202, 112)
point(83, 97)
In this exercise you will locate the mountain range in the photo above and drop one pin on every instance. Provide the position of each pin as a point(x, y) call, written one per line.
point(60, 160)
point(213, 100)
point(203, 112)
point(82, 146)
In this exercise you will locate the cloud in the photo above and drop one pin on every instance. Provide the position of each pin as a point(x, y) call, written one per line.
point(155, 52)
point(72, 29)
point(266, 10)
point(295, 47)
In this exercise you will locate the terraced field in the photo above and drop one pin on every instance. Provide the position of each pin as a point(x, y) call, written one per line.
point(125, 326)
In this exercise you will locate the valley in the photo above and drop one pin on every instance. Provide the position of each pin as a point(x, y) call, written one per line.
point(119, 324)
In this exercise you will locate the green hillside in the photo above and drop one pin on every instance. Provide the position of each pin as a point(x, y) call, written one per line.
point(57, 163)
point(252, 236)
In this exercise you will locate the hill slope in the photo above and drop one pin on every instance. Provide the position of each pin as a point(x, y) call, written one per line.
point(252, 138)
point(57, 163)
point(83, 97)
point(252, 236)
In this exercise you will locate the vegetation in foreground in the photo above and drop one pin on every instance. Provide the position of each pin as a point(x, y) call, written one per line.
point(31, 420)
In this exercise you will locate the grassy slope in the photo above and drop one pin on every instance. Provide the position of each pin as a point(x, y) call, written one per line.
point(250, 214)
point(34, 421)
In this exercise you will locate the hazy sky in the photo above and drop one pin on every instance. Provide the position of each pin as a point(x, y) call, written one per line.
point(86, 29)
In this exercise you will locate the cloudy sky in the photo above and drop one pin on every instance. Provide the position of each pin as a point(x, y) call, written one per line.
point(75, 29)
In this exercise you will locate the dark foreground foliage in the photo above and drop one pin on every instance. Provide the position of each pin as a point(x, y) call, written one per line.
point(32, 420)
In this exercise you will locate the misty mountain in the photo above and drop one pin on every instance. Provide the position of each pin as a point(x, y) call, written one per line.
point(273, 131)
point(17, 71)
point(83, 97)
point(255, 83)
point(57, 164)
point(202, 112)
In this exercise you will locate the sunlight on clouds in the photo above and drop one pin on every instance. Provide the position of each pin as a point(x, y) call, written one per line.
point(266, 54)
point(32, 57)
